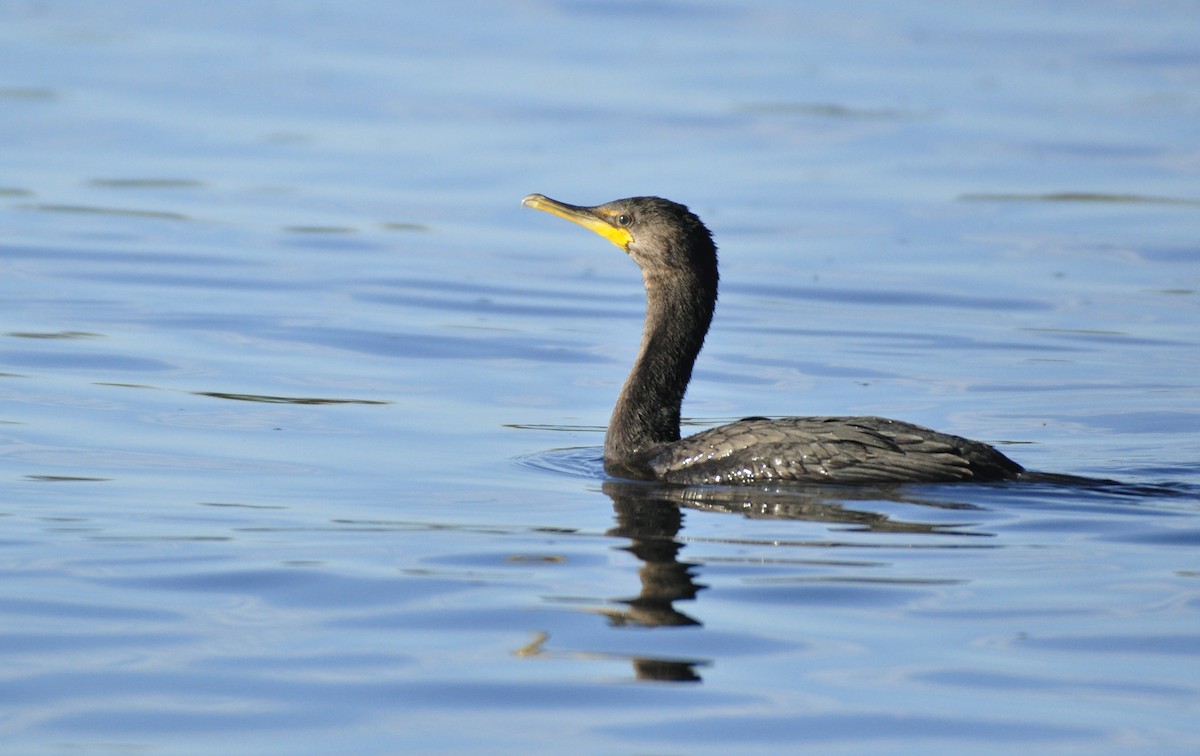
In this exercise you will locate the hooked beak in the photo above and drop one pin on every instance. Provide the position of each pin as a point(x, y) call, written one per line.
point(592, 218)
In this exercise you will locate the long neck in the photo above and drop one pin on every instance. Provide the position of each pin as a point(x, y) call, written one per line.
point(679, 308)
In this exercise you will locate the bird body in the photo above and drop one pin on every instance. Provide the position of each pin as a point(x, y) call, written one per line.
point(678, 260)
point(838, 450)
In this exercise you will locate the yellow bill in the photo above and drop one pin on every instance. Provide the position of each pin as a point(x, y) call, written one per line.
point(593, 218)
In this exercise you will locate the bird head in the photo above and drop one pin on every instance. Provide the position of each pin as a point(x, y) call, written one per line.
point(657, 233)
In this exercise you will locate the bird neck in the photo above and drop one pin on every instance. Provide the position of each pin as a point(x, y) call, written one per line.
point(679, 308)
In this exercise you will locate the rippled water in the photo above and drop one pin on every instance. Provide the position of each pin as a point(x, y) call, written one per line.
point(300, 413)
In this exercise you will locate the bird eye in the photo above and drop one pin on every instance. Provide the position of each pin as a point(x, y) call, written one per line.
point(623, 220)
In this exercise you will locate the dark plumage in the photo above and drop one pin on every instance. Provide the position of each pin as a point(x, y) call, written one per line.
point(679, 269)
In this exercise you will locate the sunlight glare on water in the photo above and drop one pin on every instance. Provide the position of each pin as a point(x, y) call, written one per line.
point(301, 413)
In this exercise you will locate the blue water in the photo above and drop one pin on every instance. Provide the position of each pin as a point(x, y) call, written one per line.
point(300, 412)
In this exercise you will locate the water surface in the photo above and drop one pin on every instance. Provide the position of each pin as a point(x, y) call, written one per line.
point(300, 413)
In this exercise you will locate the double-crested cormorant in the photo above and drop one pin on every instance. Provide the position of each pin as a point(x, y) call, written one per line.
point(679, 268)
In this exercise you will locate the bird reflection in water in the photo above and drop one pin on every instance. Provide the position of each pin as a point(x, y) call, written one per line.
point(651, 515)
point(651, 521)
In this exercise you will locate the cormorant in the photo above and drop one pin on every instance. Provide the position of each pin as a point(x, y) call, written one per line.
point(679, 269)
